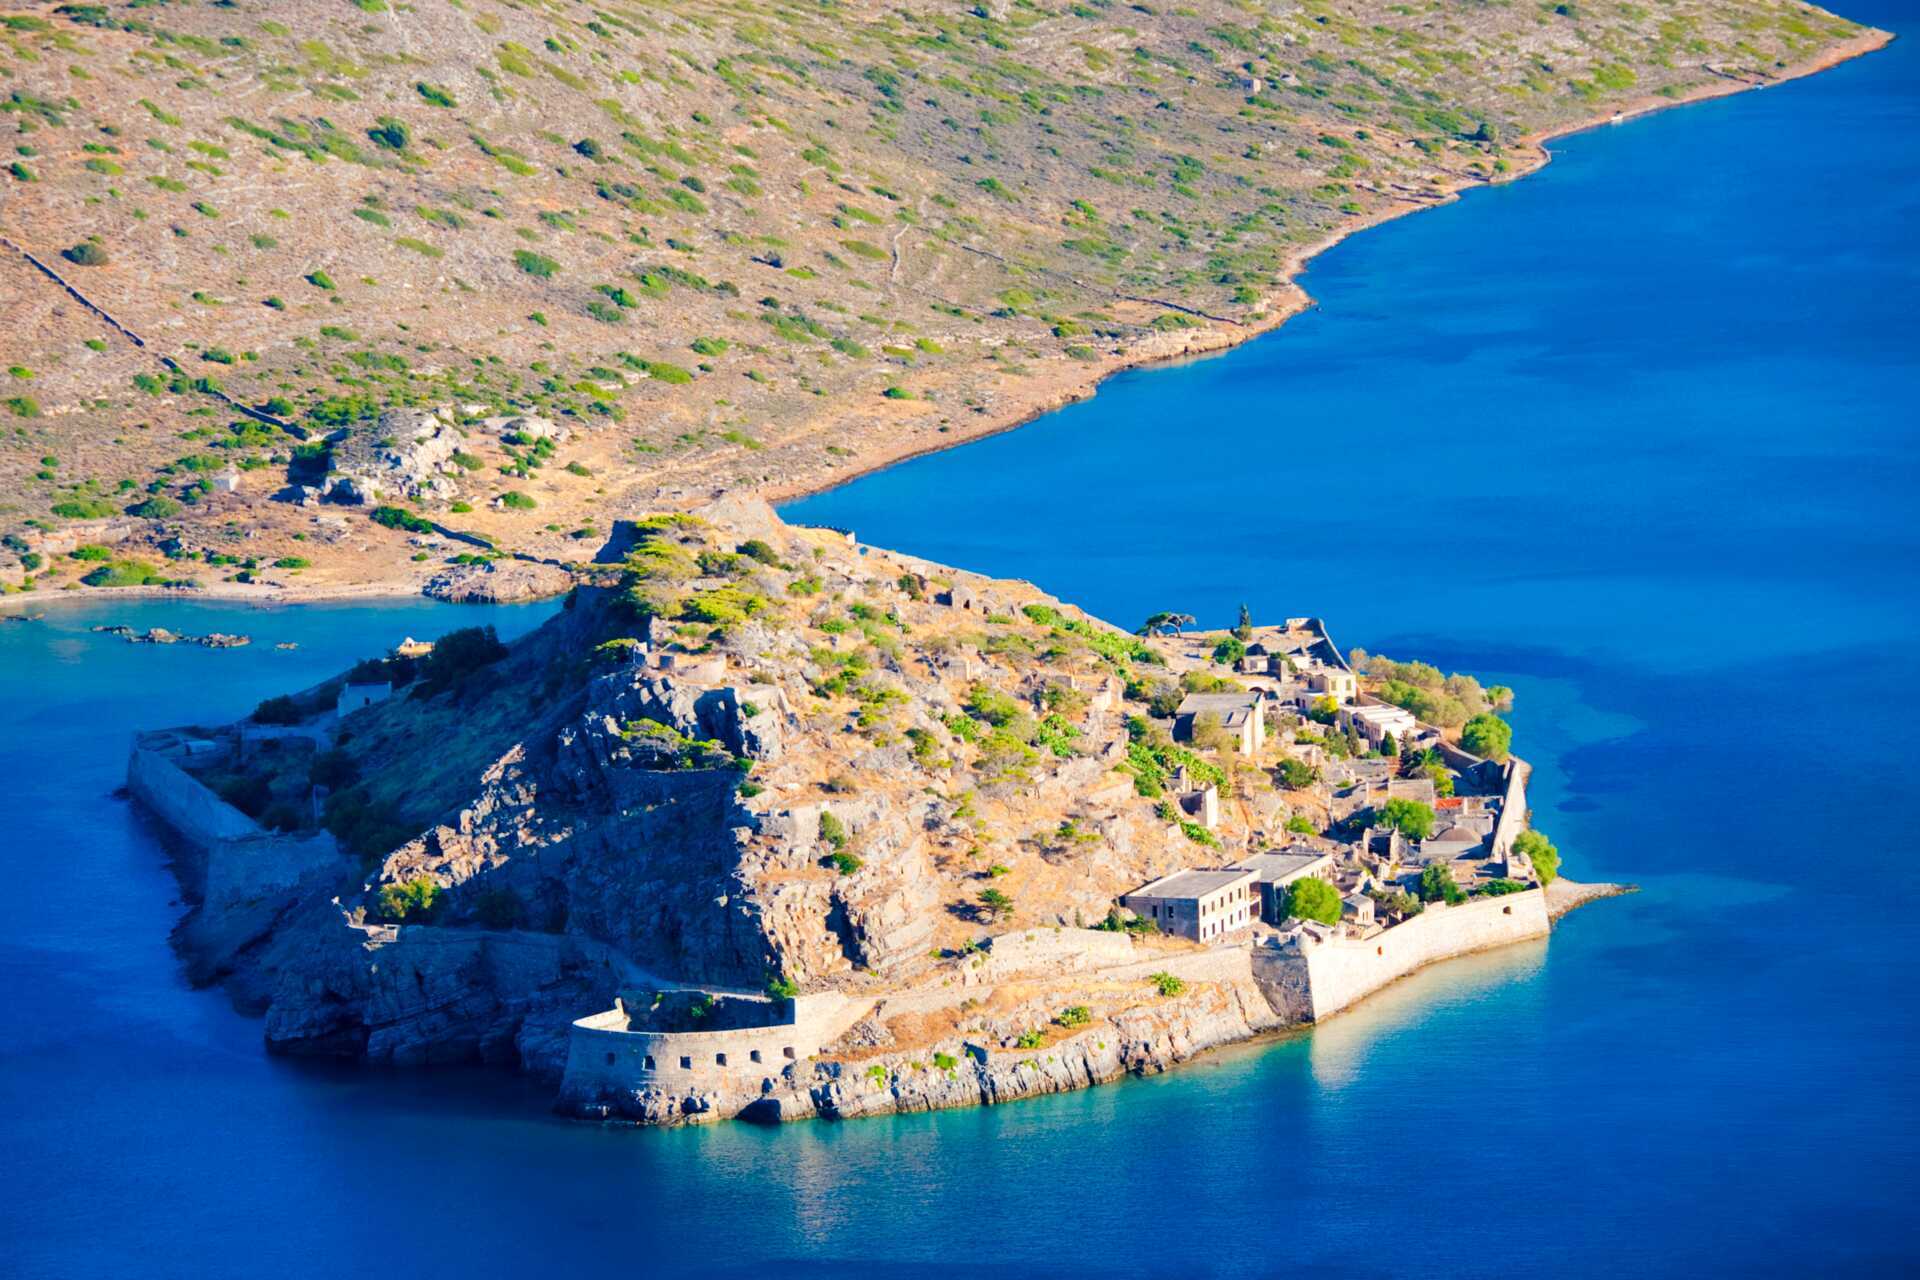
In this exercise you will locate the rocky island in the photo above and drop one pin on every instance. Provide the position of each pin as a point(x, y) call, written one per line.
point(769, 823)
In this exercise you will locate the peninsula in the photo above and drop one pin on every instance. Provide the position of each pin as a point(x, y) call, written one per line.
point(327, 298)
point(768, 823)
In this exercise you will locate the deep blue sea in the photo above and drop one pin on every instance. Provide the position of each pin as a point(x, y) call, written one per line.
point(1636, 436)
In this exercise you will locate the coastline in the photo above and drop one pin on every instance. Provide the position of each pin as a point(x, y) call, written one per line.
point(1290, 298)
point(1529, 155)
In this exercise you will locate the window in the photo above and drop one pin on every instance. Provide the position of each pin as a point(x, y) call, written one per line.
point(787, 1052)
point(686, 1064)
point(649, 1062)
point(719, 1059)
point(609, 1059)
point(755, 1055)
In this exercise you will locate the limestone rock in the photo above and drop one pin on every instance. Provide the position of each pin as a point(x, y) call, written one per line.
point(408, 453)
point(498, 582)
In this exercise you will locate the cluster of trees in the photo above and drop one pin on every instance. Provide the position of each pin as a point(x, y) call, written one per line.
point(1445, 700)
point(457, 657)
point(1487, 735)
point(1413, 818)
point(1438, 885)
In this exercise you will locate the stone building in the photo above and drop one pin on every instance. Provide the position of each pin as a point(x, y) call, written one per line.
point(1273, 872)
point(1239, 714)
point(1374, 723)
point(1201, 905)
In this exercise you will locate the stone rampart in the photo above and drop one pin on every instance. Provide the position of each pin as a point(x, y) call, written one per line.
point(1308, 981)
point(242, 861)
point(180, 800)
point(1513, 806)
point(1048, 951)
point(605, 1059)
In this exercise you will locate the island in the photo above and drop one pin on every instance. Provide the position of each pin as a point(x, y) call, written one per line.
point(769, 823)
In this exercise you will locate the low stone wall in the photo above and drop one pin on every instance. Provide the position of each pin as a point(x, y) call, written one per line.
point(1313, 982)
point(1050, 950)
point(605, 1060)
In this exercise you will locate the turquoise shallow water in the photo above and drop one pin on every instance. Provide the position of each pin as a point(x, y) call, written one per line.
point(1635, 436)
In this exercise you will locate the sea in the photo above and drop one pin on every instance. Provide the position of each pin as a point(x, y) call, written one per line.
point(1635, 436)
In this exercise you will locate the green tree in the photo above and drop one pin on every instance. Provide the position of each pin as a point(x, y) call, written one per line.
point(1542, 853)
point(1244, 627)
point(457, 656)
point(995, 903)
point(1160, 624)
point(1300, 824)
point(1414, 819)
point(1230, 650)
point(278, 710)
point(1295, 775)
point(1487, 735)
point(412, 899)
point(1437, 883)
point(1311, 898)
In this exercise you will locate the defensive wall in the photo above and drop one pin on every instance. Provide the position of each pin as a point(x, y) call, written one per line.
point(606, 1057)
point(1307, 980)
point(241, 861)
point(1513, 806)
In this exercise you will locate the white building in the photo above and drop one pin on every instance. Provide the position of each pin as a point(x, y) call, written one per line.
point(357, 697)
point(1374, 723)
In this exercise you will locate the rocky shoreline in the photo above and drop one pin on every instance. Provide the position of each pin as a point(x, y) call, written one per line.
point(489, 853)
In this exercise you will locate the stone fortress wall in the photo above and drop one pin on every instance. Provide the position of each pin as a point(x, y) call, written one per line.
point(606, 1058)
point(1513, 806)
point(1308, 981)
point(242, 860)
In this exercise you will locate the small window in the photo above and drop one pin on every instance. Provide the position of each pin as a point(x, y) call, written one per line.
point(755, 1055)
point(787, 1052)
point(649, 1062)
point(609, 1059)
point(719, 1059)
point(686, 1064)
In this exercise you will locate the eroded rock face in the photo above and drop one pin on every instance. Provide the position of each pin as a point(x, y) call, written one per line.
point(420, 995)
point(643, 795)
point(408, 453)
point(498, 582)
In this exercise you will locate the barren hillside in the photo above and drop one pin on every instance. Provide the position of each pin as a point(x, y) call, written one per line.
point(728, 245)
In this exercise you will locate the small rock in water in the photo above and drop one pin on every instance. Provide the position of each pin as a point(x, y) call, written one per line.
point(160, 635)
